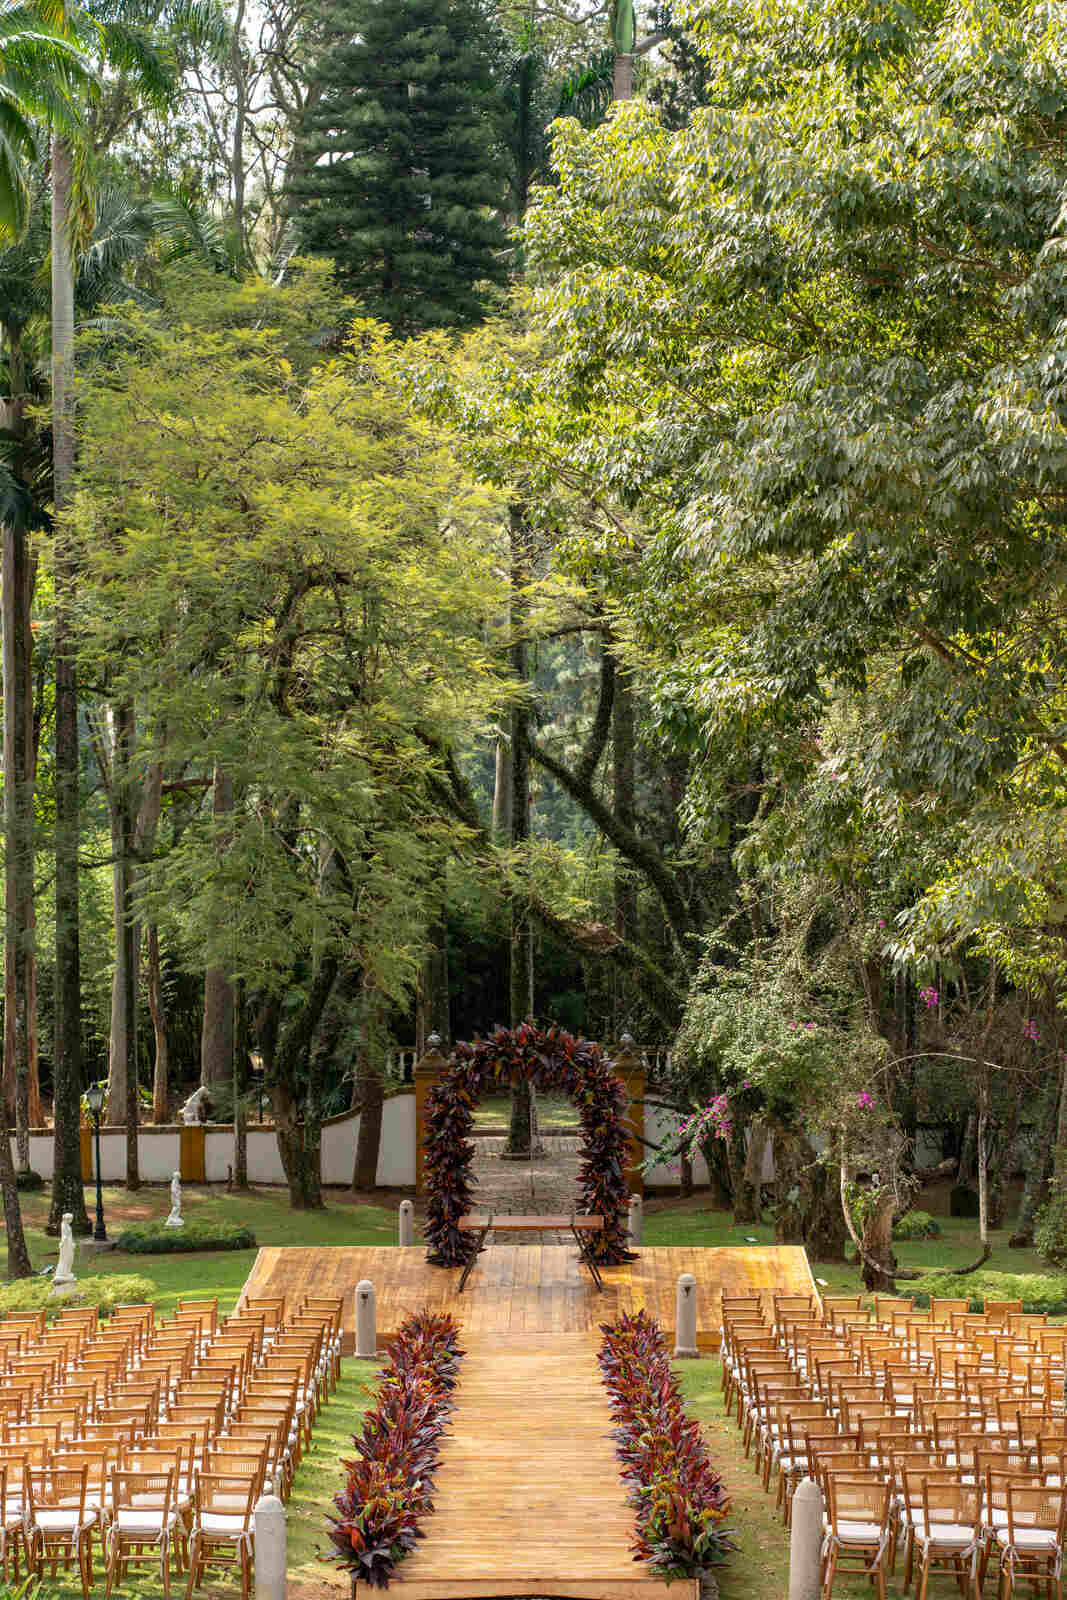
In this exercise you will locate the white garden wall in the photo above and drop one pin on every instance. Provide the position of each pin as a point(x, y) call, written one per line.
point(160, 1150)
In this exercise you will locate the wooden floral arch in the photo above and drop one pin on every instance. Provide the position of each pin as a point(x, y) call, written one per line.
point(548, 1058)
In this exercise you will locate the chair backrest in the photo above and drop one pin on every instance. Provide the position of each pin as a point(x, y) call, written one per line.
point(175, 1458)
point(144, 1491)
point(1035, 1509)
point(947, 1500)
point(57, 1485)
point(237, 1463)
point(852, 1498)
point(225, 1493)
point(941, 1309)
point(1002, 1308)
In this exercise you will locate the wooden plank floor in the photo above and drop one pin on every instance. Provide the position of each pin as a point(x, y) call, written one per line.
point(529, 1288)
point(528, 1499)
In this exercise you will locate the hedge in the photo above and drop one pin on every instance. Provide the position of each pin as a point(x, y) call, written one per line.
point(917, 1225)
point(679, 1498)
point(156, 1239)
point(105, 1292)
point(387, 1491)
point(1037, 1291)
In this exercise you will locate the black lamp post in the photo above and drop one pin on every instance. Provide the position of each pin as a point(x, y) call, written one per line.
point(94, 1097)
point(257, 1077)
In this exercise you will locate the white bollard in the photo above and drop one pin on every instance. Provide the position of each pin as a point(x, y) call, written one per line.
point(685, 1317)
point(406, 1223)
point(635, 1219)
point(366, 1339)
point(270, 1548)
point(805, 1542)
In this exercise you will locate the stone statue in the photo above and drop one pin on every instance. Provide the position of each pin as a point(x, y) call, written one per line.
point(193, 1111)
point(175, 1220)
point(64, 1273)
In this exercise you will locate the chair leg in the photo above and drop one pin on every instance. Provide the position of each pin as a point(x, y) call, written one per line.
point(194, 1557)
point(112, 1563)
point(164, 1569)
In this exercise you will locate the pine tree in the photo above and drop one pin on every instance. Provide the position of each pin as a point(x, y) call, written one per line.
point(401, 170)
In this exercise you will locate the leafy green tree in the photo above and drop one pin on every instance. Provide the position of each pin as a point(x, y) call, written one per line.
point(402, 167)
point(288, 579)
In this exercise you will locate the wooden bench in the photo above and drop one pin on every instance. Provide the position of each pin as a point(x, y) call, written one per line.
point(583, 1228)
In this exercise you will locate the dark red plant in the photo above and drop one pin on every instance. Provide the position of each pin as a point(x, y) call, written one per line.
point(680, 1500)
point(549, 1059)
point(387, 1491)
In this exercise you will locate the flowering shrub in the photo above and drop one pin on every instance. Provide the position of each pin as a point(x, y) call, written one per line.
point(550, 1059)
point(929, 997)
point(680, 1501)
point(387, 1492)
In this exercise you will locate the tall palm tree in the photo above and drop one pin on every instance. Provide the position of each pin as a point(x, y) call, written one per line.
point(43, 72)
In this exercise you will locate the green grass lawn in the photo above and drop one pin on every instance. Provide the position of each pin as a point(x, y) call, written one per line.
point(553, 1110)
point(222, 1273)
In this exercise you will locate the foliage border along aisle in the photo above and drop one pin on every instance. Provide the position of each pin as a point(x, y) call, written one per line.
point(679, 1498)
point(548, 1058)
point(387, 1491)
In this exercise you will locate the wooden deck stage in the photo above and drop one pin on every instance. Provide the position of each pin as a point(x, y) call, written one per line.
point(528, 1499)
point(529, 1288)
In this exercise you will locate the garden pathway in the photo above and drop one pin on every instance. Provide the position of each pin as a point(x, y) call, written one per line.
point(528, 1499)
point(547, 1183)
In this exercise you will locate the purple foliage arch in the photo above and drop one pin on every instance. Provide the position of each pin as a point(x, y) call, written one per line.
point(548, 1058)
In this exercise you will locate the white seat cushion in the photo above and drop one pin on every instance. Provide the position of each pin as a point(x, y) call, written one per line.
point(61, 1521)
point(150, 1523)
point(221, 1526)
point(859, 1532)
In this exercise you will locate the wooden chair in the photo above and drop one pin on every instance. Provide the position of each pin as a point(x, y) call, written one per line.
point(59, 1524)
point(1002, 1308)
point(1031, 1545)
point(858, 1529)
point(222, 1521)
point(144, 1523)
point(273, 1438)
point(944, 1525)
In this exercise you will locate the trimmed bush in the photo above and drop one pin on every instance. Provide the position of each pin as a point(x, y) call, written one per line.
point(158, 1240)
point(1037, 1291)
point(387, 1492)
point(679, 1499)
point(107, 1291)
point(1050, 1230)
point(917, 1225)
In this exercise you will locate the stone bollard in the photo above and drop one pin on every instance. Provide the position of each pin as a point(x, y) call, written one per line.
point(805, 1542)
point(366, 1341)
point(271, 1557)
point(636, 1215)
point(685, 1317)
point(406, 1223)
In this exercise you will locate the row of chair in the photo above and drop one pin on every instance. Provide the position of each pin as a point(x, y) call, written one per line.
point(156, 1437)
point(961, 1461)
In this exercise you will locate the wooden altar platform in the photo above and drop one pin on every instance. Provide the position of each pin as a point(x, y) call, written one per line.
point(532, 1288)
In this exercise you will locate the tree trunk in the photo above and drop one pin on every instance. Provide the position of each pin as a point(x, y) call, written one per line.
point(240, 1086)
point(808, 1211)
point(502, 793)
point(623, 78)
point(623, 782)
point(1039, 1170)
point(67, 1190)
point(18, 1256)
point(1059, 1154)
point(289, 1060)
point(877, 1238)
point(216, 1039)
point(160, 1095)
point(126, 928)
point(521, 952)
point(747, 1196)
point(369, 1088)
point(18, 830)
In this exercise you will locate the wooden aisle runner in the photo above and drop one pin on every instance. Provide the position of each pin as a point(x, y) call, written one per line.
point(528, 1498)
